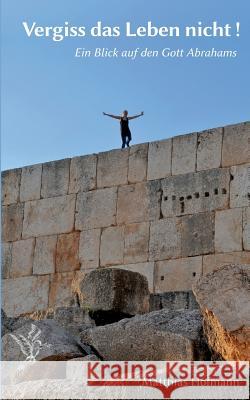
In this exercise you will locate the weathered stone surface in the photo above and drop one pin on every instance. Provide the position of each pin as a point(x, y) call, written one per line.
point(25, 294)
point(73, 319)
point(159, 335)
point(212, 262)
point(138, 161)
point(10, 186)
point(56, 343)
point(159, 159)
point(12, 222)
point(195, 192)
point(112, 246)
point(22, 258)
point(82, 174)
point(184, 154)
point(67, 252)
point(116, 290)
point(240, 186)
point(228, 230)
point(236, 141)
point(136, 243)
point(55, 178)
point(112, 168)
point(173, 301)
point(49, 216)
point(61, 293)
point(197, 234)
point(209, 149)
point(139, 202)
point(177, 275)
point(30, 188)
point(225, 308)
point(45, 255)
point(89, 248)
point(96, 209)
point(164, 239)
point(146, 269)
point(246, 228)
point(6, 257)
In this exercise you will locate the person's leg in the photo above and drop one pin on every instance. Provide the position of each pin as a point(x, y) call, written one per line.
point(123, 141)
point(128, 138)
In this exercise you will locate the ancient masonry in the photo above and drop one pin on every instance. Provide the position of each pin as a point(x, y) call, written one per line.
point(172, 210)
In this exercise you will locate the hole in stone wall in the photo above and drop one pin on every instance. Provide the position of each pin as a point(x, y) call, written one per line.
point(231, 177)
point(194, 273)
point(224, 191)
point(248, 196)
point(197, 195)
point(189, 197)
point(216, 191)
point(206, 194)
point(166, 198)
point(182, 207)
point(162, 278)
point(181, 198)
point(173, 197)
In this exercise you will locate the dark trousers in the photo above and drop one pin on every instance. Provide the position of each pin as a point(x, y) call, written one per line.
point(126, 138)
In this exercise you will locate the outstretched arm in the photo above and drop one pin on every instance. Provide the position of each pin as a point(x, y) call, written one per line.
point(136, 116)
point(112, 116)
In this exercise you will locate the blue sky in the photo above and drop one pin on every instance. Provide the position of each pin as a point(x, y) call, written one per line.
point(52, 103)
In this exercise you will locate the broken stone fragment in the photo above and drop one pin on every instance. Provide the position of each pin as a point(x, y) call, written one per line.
point(41, 340)
point(112, 293)
point(224, 299)
point(159, 335)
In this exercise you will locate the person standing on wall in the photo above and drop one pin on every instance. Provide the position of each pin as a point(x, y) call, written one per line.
point(125, 131)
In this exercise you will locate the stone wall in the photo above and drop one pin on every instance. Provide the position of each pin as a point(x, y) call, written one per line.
point(171, 210)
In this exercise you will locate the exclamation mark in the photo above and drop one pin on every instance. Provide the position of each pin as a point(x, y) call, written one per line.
point(238, 29)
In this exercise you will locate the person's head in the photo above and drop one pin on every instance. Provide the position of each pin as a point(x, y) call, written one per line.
point(125, 113)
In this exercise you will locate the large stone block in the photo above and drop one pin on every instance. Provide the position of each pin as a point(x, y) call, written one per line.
point(112, 246)
point(6, 258)
point(159, 335)
point(236, 143)
point(45, 255)
point(10, 186)
point(184, 154)
point(139, 202)
point(224, 298)
point(240, 186)
point(96, 209)
point(115, 290)
point(246, 229)
point(30, 188)
point(228, 230)
point(49, 216)
point(56, 343)
point(112, 168)
point(212, 262)
point(195, 192)
point(146, 269)
point(55, 178)
point(138, 161)
point(136, 243)
point(159, 159)
point(25, 295)
point(197, 234)
point(164, 239)
point(12, 222)
point(67, 252)
point(209, 149)
point(82, 174)
point(89, 248)
point(22, 258)
point(61, 292)
point(177, 275)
